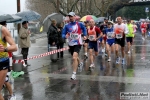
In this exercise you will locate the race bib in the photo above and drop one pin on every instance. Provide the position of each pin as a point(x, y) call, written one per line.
point(119, 36)
point(91, 37)
point(74, 36)
point(143, 29)
point(109, 35)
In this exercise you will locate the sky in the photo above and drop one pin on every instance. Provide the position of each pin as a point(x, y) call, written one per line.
point(10, 6)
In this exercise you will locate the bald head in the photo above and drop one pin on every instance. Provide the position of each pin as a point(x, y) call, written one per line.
point(91, 22)
point(119, 20)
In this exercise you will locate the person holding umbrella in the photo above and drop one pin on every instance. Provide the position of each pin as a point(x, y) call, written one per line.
point(5, 38)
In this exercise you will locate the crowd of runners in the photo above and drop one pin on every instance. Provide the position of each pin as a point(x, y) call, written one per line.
point(108, 38)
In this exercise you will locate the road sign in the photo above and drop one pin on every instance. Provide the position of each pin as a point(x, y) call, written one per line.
point(147, 9)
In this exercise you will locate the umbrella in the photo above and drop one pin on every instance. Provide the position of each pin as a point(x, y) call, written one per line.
point(100, 19)
point(5, 17)
point(66, 19)
point(29, 15)
point(47, 20)
point(9, 18)
point(87, 18)
point(15, 19)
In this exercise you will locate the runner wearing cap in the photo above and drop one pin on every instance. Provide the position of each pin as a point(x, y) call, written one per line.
point(94, 34)
point(120, 30)
point(73, 31)
point(110, 40)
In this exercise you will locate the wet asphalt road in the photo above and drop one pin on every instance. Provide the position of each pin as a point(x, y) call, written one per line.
point(45, 80)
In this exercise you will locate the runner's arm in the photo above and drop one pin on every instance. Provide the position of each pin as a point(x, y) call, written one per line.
point(64, 32)
point(9, 40)
point(84, 31)
point(126, 31)
point(99, 32)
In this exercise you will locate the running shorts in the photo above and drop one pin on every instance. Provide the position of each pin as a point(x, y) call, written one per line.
point(93, 45)
point(4, 63)
point(120, 42)
point(75, 48)
point(110, 41)
point(129, 39)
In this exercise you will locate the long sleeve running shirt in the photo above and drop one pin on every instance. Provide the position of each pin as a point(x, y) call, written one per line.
point(74, 31)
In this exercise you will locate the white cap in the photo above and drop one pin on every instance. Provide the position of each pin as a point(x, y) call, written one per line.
point(71, 14)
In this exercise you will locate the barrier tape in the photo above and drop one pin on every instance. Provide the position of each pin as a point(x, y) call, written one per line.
point(41, 55)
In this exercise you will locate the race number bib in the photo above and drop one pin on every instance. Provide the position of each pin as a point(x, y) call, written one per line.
point(91, 37)
point(74, 36)
point(143, 29)
point(119, 36)
point(109, 35)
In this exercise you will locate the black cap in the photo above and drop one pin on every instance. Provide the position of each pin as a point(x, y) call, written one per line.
point(3, 23)
point(24, 22)
point(86, 21)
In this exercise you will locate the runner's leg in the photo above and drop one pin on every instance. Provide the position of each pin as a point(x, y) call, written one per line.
point(2, 78)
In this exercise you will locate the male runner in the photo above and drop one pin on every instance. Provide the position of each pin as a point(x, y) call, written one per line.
point(130, 35)
point(73, 31)
point(120, 30)
point(143, 29)
point(94, 34)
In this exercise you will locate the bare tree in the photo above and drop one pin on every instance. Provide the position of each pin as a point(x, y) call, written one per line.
point(43, 7)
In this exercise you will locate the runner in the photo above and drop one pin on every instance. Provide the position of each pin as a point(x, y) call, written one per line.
point(103, 39)
point(143, 29)
point(94, 34)
point(7, 83)
point(130, 35)
point(120, 30)
point(73, 31)
point(135, 27)
point(5, 38)
point(110, 40)
point(86, 23)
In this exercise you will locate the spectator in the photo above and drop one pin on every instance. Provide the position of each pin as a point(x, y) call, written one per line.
point(61, 41)
point(24, 34)
point(54, 38)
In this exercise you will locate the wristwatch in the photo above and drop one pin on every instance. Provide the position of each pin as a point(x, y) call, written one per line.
point(5, 50)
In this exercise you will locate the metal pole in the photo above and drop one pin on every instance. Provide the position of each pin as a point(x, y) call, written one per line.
point(18, 10)
point(57, 6)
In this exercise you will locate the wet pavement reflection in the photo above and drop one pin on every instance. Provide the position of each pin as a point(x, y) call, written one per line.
point(45, 80)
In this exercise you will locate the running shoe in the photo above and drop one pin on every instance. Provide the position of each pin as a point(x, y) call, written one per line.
point(123, 61)
point(92, 66)
point(85, 57)
point(129, 52)
point(81, 64)
point(117, 60)
point(73, 77)
point(109, 59)
point(103, 50)
point(143, 38)
point(13, 97)
point(80, 67)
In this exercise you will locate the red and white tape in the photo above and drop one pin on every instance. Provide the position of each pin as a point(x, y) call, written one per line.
point(41, 55)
